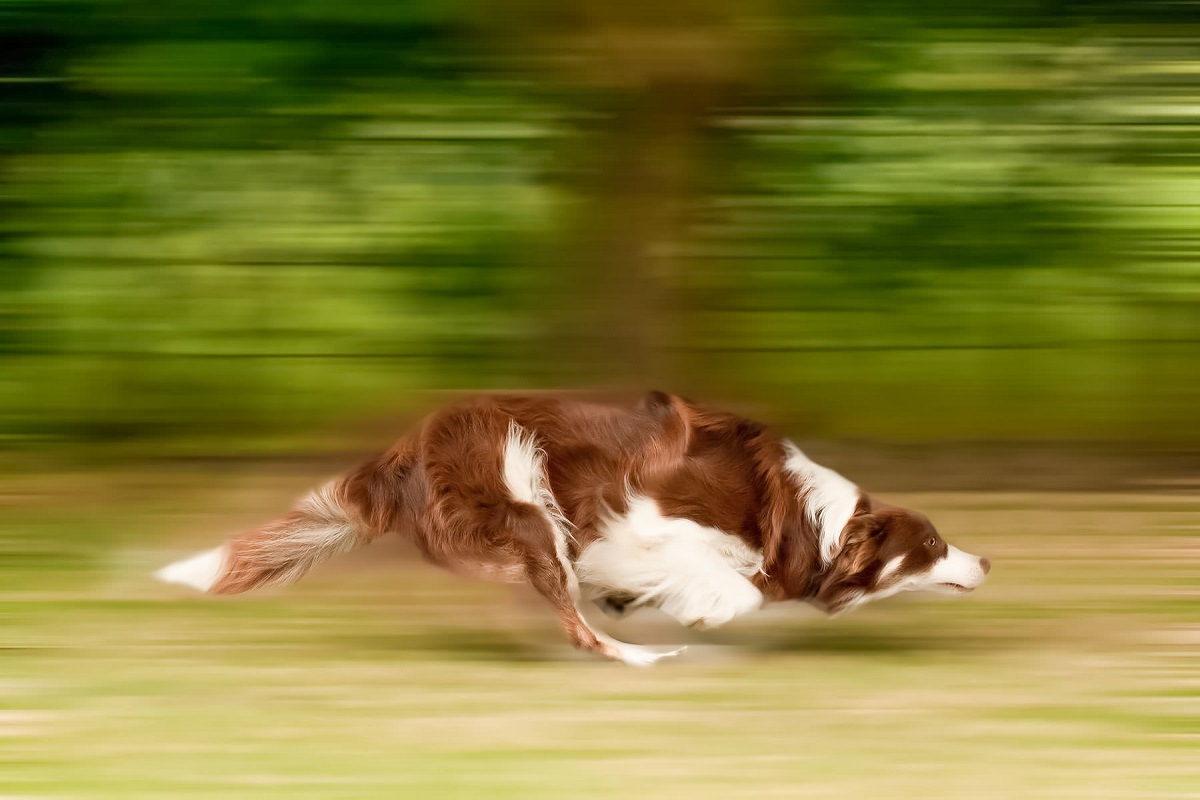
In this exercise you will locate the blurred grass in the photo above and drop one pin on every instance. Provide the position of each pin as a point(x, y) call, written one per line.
point(1070, 674)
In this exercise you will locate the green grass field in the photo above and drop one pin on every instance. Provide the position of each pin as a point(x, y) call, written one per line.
point(1071, 674)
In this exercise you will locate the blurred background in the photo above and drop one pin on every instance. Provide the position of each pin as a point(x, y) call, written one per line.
point(952, 248)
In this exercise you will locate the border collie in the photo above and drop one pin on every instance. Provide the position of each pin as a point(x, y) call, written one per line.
point(700, 513)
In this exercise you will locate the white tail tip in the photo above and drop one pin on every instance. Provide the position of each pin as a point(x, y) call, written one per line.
point(200, 571)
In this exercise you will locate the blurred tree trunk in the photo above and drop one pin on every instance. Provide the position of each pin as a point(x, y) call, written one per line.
point(641, 84)
point(618, 316)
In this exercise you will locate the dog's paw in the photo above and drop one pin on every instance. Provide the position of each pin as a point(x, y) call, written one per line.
point(636, 656)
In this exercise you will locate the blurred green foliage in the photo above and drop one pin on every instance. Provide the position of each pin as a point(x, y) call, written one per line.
point(226, 222)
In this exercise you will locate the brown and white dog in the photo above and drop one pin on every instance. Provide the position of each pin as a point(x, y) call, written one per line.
point(700, 513)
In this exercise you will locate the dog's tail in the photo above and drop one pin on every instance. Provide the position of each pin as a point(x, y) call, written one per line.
point(346, 513)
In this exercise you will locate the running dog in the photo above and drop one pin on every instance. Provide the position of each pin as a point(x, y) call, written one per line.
point(663, 503)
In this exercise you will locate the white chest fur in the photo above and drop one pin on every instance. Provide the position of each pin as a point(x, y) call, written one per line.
point(698, 575)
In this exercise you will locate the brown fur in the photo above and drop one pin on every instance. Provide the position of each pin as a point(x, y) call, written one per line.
point(443, 487)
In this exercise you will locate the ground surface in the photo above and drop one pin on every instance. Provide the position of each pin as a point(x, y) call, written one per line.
point(1071, 674)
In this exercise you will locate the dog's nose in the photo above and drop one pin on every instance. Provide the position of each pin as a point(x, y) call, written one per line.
point(987, 565)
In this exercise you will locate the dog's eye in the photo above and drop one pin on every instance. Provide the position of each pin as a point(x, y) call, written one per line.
point(932, 541)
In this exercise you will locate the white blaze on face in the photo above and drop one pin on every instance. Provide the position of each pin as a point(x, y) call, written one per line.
point(954, 573)
point(954, 570)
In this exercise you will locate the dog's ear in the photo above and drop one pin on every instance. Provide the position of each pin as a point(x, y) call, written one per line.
point(670, 432)
point(656, 402)
point(850, 575)
point(860, 542)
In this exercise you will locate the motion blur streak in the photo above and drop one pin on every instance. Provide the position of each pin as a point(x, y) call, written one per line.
point(950, 248)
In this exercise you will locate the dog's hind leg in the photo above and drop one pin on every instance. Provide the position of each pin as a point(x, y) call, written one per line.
point(537, 529)
point(548, 569)
point(509, 521)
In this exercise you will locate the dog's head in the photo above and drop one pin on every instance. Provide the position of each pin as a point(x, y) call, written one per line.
point(886, 549)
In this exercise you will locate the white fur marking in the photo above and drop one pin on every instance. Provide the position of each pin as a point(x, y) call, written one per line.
point(525, 477)
point(636, 655)
point(696, 574)
point(955, 568)
point(326, 530)
point(291, 549)
point(889, 568)
point(829, 499)
point(199, 572)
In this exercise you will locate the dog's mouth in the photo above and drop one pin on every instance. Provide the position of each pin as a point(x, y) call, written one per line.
point(956, 587)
